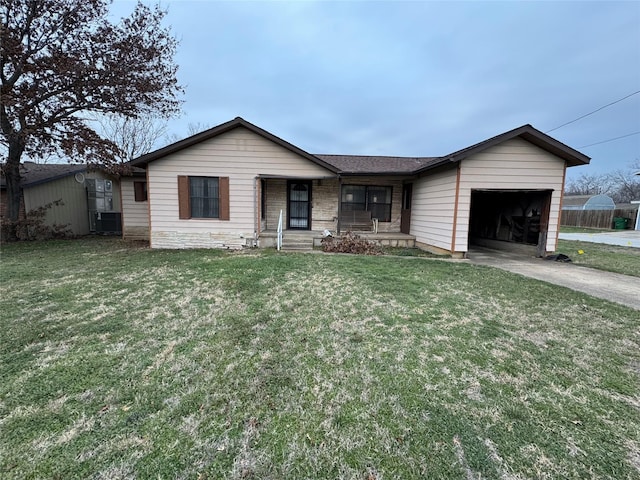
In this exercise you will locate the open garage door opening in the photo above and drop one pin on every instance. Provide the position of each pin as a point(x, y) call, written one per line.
point(514, 220)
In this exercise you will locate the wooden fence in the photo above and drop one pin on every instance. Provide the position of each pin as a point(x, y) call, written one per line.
point(597, 218)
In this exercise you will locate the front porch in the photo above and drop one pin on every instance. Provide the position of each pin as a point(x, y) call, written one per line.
point(371, 205)
point(307, 240)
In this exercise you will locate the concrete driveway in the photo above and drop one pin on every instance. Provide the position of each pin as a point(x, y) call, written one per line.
point(624, 238)
point(614, 287)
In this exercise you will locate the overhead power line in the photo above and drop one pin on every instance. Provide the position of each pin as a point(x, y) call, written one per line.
point(595, 111)
point(611, 139)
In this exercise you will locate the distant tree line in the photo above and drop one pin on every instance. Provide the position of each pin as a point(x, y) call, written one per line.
point(622, 185)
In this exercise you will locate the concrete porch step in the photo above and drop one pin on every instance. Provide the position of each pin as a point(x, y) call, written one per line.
point(297, 245)
point(297, 242)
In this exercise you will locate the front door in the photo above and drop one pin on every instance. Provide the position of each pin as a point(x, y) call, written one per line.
point(299, 203)
point(405, 212)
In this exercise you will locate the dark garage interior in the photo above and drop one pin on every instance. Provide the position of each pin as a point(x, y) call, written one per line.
point(515, 220)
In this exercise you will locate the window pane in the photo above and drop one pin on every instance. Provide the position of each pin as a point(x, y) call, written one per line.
point(375, 199)
point(381, 211)
point(379, 203)
point(300, 192)
point(354, 198)
point(204, 192)
point(379, 194)
point(354, 193)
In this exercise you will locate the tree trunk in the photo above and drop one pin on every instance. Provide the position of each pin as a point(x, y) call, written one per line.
point(14, 188)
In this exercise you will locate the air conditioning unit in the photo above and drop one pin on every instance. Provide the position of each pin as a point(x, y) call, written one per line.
point(108, 222)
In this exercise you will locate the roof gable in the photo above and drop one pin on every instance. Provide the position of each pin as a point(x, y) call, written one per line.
point(377, 165)
point(527, 133)
point(144, 160)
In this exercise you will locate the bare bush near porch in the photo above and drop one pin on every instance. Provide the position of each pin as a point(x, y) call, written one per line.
point(351, 243)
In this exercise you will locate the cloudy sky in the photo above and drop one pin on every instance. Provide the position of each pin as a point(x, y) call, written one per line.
point(413, 78)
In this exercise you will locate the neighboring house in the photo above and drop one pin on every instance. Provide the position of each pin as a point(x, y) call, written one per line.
point(588, 202)
point(90, 201)
point(225, 187)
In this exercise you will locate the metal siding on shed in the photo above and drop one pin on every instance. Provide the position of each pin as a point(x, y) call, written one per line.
point(74, 210)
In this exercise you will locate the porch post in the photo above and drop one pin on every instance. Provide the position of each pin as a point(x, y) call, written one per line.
point(339, 204)
point(257, 204)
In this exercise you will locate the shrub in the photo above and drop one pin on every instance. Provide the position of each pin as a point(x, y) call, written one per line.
point(32, 226)
point(351, 243)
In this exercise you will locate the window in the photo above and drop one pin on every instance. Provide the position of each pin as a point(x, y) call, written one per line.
point(374, 199)
point(203, 197)
point(100, 195)
point(140, 191)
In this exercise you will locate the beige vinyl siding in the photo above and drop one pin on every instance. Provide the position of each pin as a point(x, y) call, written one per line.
point(432, 209)
point(135, 215)
point(72, 213)
point(238, 154)
point(514, 164)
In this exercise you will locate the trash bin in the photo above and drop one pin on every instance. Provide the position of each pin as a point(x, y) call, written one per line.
point(620, 223)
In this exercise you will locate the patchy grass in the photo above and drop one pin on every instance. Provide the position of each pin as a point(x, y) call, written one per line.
point(119, 362)
point(565, 229)
point(611, 258)
point(412, 252)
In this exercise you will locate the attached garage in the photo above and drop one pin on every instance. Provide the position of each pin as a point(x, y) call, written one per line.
point(516, 220)
point(504, 193)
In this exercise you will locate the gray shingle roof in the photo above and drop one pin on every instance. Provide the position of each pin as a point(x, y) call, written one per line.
point(366, 164)
point(36, 173)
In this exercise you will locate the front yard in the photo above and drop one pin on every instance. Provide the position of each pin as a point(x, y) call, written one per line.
point(121, 362)
point(611, 258)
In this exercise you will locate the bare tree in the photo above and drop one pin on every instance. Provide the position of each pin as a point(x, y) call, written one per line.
point(132, 136)
point(587, 184)
point(197, 127)
point(61, 60)
point(626, 183)
point(192, 129)
point(621, 185)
